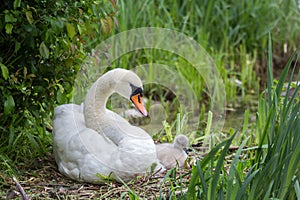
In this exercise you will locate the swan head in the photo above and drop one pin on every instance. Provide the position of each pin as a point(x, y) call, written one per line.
point(181, 142)
point(130, 86)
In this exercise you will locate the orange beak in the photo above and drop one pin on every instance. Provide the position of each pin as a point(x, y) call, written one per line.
point(137, 101)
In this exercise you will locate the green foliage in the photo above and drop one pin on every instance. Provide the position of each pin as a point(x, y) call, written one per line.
point(43, 44)
point(274, 170)
point(282, 132)
point(224, 25)
point(235, 33)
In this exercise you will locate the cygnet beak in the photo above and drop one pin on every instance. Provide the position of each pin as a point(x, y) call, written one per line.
point(137, 101)
point(186, 150)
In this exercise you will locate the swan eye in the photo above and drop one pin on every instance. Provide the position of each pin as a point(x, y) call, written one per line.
point(136, 90)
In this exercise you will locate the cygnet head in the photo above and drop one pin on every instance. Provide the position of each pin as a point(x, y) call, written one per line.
point(130, 86)
point(181, 142)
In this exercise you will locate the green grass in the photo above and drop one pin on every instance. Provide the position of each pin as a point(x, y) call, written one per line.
point(273, 171)
point(235, 34)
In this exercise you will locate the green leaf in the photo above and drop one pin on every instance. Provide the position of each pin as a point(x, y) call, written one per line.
point(9, 105)
point(71, 30)
point(4, 71)
point(61, 97)
point(9, 17)
point(29, 17)
point(8, 28)
point(17, 46)
point(57, 25)
point(168, 130)
point(17, 3)
point(44, 51)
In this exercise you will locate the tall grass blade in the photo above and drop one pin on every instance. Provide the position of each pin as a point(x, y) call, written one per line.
point(210, 156)
point(217, 172)
point(244, 186)
point(196, 173)
point(270, 70)
point(267, 194)
point(132, 195)
point(233, 171)
point(166, 177)
point(297, 189)
point(283, 76)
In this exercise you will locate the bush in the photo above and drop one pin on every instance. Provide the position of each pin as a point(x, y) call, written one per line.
point(42, 46)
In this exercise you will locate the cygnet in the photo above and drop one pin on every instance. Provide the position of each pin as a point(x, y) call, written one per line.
point(171, 154)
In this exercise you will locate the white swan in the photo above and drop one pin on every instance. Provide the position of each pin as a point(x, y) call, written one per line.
point(90, 139)
point(171, 154)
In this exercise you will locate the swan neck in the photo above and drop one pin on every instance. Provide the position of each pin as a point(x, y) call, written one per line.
point(95, 101)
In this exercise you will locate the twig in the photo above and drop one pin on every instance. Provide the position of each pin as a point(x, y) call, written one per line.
point(21, 190)
point(12, 194)
point(158, 171)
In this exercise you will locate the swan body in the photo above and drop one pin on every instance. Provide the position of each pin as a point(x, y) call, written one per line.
point(171, 154)
point(89, 139)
